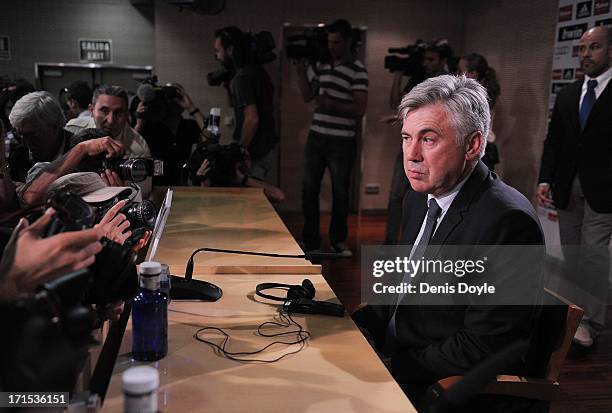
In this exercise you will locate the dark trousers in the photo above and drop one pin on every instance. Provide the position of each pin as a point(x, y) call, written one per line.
point(400, 185)
point(337, 154)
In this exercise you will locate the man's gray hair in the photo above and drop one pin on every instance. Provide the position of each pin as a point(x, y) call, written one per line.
point(110, 91)
point(465, 99)
point(39, 109)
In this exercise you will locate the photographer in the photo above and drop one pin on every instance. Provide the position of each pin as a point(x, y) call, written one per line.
point(169, 136)
point(339, 88)
point(38, 122)
point(110, 113)
point(252, 95)
point(78, 99)
point(236, 178)
point(43, 175)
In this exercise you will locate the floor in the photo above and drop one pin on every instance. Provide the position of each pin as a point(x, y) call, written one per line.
point(586, 379)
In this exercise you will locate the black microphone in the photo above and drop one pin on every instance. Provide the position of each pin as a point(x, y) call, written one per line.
point(189, 267)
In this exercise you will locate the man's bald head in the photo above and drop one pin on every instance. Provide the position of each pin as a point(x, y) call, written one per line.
point(595, 50)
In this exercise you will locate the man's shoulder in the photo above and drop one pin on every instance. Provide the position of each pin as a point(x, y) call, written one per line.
point(135, 145)
point(74, 125)
point(571, 90)
point(506, 213)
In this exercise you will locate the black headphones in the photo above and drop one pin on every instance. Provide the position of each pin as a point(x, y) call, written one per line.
point(306, 290)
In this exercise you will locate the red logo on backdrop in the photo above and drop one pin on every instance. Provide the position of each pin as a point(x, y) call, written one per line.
point(557, 73)
point(565, 13)
point(578, 74)
point(575, 51)
point(601, 7)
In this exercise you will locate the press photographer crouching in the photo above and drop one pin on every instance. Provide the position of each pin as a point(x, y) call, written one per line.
point(73, 266)
point(216, 165)
point(169, 136)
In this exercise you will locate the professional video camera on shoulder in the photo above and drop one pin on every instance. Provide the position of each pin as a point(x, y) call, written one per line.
point(240, 49)
point(411, 64)
point(131, 169)
point(311, 44)
point(158, 100)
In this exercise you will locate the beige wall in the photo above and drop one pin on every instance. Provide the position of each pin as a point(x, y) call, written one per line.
point(48, 31)
point(517, 38)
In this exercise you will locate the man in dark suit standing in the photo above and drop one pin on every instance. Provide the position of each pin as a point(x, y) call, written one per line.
point(577, 168)
point(456, 201)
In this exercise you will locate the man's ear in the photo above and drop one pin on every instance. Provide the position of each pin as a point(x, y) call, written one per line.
point(474, 144)
point(230, 50)
point(90, 108)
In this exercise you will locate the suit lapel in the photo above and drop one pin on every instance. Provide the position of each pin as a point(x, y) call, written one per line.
point(461, 203)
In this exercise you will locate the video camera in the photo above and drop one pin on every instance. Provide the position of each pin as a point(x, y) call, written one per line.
point(158, 100)
point(311, 44)
point(411, 64)
point(131, 169)
point(114, 275)
point(223, 159)
point(259, 50)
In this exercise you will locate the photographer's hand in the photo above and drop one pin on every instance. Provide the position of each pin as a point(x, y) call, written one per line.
point(142, 242)
point(114, 224)
point(107, 145)
point(204, 168)
point(30, 260)
point(35, 191)
point(111, 178)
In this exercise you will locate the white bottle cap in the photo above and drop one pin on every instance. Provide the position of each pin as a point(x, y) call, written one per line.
point(150, 268)
point(140, 380)
point(215, 111)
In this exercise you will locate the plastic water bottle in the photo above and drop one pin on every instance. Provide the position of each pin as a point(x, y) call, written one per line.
point(214, 122)
point(165, 281)
point(140, 386)
point(149, 316)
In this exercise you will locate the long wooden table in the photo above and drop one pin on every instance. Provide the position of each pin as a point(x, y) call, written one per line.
point(228, 218)
point(337, 370)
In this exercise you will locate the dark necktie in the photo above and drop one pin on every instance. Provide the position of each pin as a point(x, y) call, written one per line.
point(587, 102)
point(433, 213)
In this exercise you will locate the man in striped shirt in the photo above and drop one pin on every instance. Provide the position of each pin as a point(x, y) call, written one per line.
point(339, 89)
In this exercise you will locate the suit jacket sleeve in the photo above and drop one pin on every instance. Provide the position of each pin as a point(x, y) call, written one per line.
point(552, 145)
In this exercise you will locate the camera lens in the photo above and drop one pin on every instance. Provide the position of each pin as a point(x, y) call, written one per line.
point(141, 214)
point(134, 170)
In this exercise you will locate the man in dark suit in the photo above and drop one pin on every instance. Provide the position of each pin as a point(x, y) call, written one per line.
point(456, 201)
point(577, 168)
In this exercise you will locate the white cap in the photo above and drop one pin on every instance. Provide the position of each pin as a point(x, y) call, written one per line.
point(140, 380)
point(215, 111)
point(150, 268)
point(90, 186)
